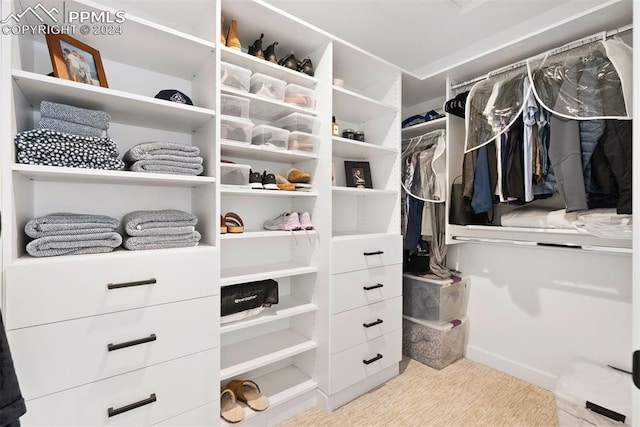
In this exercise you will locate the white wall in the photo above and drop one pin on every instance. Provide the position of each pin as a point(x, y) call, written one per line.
point(532, 309)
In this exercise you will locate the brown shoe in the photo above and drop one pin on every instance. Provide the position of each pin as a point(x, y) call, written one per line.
point(297, 176)
point(232, 36)
point(230, 410)
point(248, 392)
point(223, 39)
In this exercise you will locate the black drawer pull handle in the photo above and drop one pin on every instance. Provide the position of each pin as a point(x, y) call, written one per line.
point(130, 284)
point(367, 362)
point(112, 347)
point(113, 412)
point(373, 253)
point(368, 288)
point(368, 325)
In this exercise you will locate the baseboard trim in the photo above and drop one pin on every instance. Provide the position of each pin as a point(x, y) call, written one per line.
point(511, 367)
point(276, 415)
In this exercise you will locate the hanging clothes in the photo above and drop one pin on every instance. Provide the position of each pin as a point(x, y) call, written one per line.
point(12, 405)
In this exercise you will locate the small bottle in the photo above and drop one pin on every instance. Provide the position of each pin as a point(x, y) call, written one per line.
point(335, 129)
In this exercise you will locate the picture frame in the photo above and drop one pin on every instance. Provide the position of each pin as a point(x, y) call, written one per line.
point(75, 61)
point(358, 174)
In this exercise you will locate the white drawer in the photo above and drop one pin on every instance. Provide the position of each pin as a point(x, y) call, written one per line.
point(55, 290)
point(57, 356)
point(362, 324)
point(364, 360)
point(351, 290)
point(207, 415)
point(365, 252)
point(178, 385)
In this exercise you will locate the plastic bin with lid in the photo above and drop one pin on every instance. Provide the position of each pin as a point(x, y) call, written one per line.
point(234, 77)
point(234, 174)
point(235, 129)
point(237, 106)
point(433, 299)
point(299, 122)
point(267, 86)
point(270, 137)
point(300, 96)
point(434, 344)
point(303, 141)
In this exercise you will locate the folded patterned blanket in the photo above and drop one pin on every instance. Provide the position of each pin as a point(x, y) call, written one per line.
point(146, 223)
point(74, 244)
point(157, 148)
point(63, 223)
point(167, 166)
point(161, 242)
point(94, 118)
point(70, 127)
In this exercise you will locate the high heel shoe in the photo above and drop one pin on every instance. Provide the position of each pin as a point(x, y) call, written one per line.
point(232, 36)
point(289, 61)
point(305, 66)
point(270, 53)
point(256, 48)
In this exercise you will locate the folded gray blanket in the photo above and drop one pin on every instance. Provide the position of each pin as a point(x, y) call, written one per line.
point(157, 148)
point(63, 223)
point(74, 244)
point(94, 118)
point(70, 127)
point(167, 166)
point(138, 223)
point(161, 242)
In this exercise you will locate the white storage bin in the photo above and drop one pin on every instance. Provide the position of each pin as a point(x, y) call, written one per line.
point(234, 174)
point(303, 141)
point(234, 77)
point(270, 137)
point(267, 86)
point(298, 122)
point(586, 391)
point(235, 129)
point(236, 106)
point(434, 344)
point(432, 299)
point(300, 96)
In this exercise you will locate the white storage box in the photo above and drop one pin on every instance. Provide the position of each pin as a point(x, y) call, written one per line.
point(234, 174)
point(432, 343)
point(267, 86)
point(300, 96)
point(589, 394)
point(234, 77)
point(298, 122)
point(303, 141)
point(236, 106)
point(235, 129)
point(433, 299)
point(270, 137)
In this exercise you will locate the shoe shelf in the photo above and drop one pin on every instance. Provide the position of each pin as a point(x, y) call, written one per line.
point(256, 152)
point(350, 149)
point(267, 234)
point(352, 191)
point(232, 276)
point(267, 193)
point(353, 107)
point(257, 65)
point(98, 176)
point(422, 128)
point(268, 109)
point(260, 351)
point(288, 306)
point(123, 107)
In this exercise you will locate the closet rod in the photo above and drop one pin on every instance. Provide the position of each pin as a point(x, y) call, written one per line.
point(564, 48)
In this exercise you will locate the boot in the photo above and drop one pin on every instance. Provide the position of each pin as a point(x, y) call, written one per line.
point(232, 36)
point(305, 66)
point(270, 53)
point(256, 48)
point(289, 61)
point(223, 39)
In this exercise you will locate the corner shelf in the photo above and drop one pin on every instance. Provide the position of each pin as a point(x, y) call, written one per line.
point(352, 107)
point(231, 276)
point(348, 148)
point(267, 193)
point(267, 234)
point(422, 128)
point(352, 191)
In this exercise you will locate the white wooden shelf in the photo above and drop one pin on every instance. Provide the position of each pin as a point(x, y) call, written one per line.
point(268, 109)
point(267, 193)
point(348, 148)
point(231, 276)
point(353, 191)
point(422, 128)
point(81, 175)
point(342, 236)
point(123, 107)
point(268, 234)
point(256, 152)
point(288, 306)
point(245, 356)
point(258, 65)
point(353, 107)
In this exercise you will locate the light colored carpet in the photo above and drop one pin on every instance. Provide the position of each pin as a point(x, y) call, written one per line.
point(464, 393)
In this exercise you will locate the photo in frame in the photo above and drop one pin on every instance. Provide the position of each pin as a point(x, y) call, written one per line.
point(358, 174)
point(73, 60)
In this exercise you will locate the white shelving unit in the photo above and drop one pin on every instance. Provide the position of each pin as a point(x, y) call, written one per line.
point(422, 128)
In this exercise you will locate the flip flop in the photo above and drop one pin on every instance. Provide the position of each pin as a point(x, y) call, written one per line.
point(233, 222)
point(230, 410)
point(223, 227)
point(248, 392)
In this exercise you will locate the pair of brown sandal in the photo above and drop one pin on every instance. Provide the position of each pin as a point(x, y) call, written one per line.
point(231, 222)
point(245, 391)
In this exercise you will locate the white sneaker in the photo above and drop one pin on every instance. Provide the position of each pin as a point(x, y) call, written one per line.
point(288, 221)
point(305, 221)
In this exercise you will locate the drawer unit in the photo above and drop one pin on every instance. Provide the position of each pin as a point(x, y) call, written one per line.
point(359, 362)
point(61, 355)
point(359, 288)
point(153, 394)
point(365, 252)
point(207, 415)
point(38, 293)
point(363, 324)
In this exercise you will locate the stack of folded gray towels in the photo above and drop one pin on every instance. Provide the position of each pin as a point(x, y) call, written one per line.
point(72, 234)
point(74, 120)
point(164, 157)
point(160, 229)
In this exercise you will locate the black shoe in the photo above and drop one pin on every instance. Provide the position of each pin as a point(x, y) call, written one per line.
point(269, 181)
point(305, 66)
point(255, 180)
point(256, 48)
point(289, 61)
point(270, 53)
